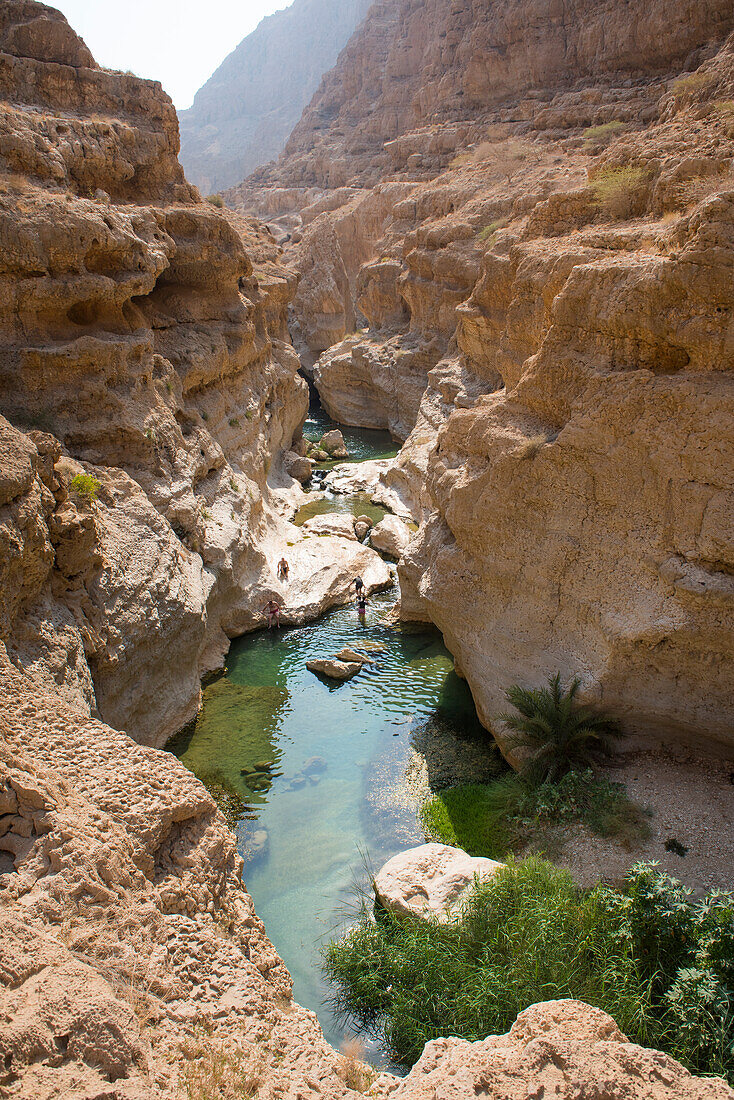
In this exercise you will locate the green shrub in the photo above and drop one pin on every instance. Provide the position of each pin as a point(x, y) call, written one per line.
point(659, 963)
point(216, 200)
point(234, 422)
point(505, 815)
point(553, 733)
point(620, 192)
point(488, 232)
point(594, 135)
point(85, 486)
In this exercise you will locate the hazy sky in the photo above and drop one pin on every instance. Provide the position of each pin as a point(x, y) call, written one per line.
point(179, 42)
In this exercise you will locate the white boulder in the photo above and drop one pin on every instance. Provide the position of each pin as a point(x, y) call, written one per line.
point(430, 880)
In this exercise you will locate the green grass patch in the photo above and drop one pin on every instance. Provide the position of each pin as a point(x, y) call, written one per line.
point(661, 964)
point(506, 815)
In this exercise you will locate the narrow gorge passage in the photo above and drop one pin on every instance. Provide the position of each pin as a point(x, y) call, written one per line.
point(324, 779)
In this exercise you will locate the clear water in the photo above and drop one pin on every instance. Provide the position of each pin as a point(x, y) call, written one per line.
point(362, 443)
point(353, 504)
point(317, 769)
point(313, 771)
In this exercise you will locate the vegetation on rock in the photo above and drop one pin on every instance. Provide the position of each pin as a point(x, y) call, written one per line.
point(85, 486)
point(659, 962)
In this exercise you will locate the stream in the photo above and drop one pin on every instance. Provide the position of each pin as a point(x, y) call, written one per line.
point(313, 772)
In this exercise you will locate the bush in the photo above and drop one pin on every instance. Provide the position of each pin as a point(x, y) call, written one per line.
point(594, 135)
point(620, 192)
point(216, 200)
point(489, 231)
point(507, 814)
point(85, 486)
point(659, 963)
point(553, 733)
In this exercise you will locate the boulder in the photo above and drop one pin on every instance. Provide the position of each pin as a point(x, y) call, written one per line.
point(298, 467)
point(333, 443)
point(333, 523)
point(391, 535)
point(333, 668)
point(430, 880)
point(348, 654)
point(300, 447)
point(365, 520)
point(361, 531)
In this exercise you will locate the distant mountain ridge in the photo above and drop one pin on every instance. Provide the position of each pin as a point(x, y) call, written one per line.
point(243, 115)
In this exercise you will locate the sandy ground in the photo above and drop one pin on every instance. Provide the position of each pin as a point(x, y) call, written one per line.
point(692, 800)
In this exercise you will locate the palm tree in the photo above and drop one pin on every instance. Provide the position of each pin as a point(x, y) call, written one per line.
point(555, 733)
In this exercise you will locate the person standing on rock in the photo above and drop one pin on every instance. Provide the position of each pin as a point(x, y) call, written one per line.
point(358, 585)
point(273, 611)
point(283, 570)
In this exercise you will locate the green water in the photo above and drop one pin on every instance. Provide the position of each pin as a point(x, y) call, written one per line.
point(362, 443)
point(353, 504)
point(316, 768)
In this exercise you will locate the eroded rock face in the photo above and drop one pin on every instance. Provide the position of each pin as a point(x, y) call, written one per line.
point(143, 345)
point(138, 962)
point(564, 1047)
point(556, 263)
point(430, 880)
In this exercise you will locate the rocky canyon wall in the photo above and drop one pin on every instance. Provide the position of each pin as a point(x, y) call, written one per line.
point(543, 306)
point(244, 113)
point(143, 343)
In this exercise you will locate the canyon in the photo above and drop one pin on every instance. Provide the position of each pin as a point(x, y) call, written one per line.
point(507, 236)
point(501, 219)
point(242, 116)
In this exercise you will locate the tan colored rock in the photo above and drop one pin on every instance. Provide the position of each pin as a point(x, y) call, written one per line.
point(596, 1061)
point(298, 467)
point(348, 654)
point(333, 523)
point(391, 535)
point(430, 880)
point(333, 443)
point(361, 530)
point(334, 668)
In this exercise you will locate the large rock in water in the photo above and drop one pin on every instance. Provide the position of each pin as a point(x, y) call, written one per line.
point(333, 668)
point(430, 880)
point(560, 1049)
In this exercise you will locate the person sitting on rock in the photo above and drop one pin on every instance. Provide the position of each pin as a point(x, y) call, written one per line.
point(273, 611)
point(283, 569)
point(361, 604)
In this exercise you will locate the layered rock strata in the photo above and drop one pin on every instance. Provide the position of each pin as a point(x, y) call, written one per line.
point(548, 306)
point(144, 348)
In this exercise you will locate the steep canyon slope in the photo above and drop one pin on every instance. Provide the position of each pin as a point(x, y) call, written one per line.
point(244, 113)
point(514, 228)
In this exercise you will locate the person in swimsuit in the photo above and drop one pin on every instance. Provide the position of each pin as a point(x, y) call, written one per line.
point(361, 603)
point(283, 569)
point(273, 611)
point(358, 585)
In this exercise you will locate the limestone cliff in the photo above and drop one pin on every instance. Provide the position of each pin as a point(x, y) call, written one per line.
point(244, 113)
point(539, 290)
point(143, 342)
